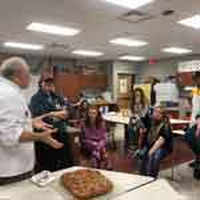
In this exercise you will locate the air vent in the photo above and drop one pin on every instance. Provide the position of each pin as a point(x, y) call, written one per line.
point(58, 46)
point(135, 16)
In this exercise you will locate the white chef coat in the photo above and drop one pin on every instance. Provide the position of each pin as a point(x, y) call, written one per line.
point(15, 157)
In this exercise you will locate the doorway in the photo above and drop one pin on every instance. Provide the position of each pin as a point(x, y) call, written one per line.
point(125, 87)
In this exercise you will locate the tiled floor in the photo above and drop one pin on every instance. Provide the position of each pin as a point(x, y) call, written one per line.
point(121, 161)
point(183, 181)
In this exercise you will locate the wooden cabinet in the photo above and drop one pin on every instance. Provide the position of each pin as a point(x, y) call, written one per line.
point(185, 78)
point(71, 85)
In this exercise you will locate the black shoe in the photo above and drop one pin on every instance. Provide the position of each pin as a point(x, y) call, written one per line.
point(192, 164)
point(196, 173)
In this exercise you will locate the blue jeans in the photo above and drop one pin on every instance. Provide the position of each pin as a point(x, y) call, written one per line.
point(192, 140)
point(149, 165)
point(132, 136)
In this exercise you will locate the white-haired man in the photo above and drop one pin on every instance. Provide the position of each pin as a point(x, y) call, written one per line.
point(16, 134)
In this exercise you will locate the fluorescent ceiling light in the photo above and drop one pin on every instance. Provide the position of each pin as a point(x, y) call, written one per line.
point(23, 46)
point(52, 29)
point(132, 58)
point(193, 22)
point(177, 50)
point(128, 42)
point(132, 4)
point(87, 53)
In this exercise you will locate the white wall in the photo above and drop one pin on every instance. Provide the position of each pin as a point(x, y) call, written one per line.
point(163, 68)
point(121, 67)
point(33, 87)
point(159, 70)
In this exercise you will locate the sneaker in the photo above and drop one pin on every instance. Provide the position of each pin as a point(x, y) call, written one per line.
point(192, 164)
point(196, 173)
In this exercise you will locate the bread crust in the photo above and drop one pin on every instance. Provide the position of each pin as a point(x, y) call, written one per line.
point(85, 183)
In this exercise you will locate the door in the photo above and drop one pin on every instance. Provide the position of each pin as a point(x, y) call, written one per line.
point(125, 86)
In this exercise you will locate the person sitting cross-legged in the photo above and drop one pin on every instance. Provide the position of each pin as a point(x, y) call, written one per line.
point(155, 143)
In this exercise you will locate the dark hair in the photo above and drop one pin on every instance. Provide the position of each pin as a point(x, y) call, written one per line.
point(99, 119)
point(196, 75)
point(197, 116)
point(82, 112)
point(163, 112)
point(82, 103)
point(46, 78)
point(143, 99)
point(80, 95)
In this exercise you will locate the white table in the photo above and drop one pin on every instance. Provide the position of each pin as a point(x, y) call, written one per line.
point(26, 190)
point(157, 190)
point(72, 130)
point(179, 132)
point(179, 121)
point(119, 119)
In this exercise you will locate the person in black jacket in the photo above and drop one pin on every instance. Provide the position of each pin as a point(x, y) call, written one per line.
point(47, 101)
point(155, 143)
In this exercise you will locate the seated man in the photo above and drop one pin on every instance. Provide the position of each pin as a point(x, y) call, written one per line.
point(155, 143)
point(192, 137)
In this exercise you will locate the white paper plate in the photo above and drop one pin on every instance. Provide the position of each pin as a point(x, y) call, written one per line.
point(43, 178)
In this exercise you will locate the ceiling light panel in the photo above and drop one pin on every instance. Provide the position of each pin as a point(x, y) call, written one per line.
point(131, 4)
point(87, 53)
point(52, 29)
point(177, 50)
point(128, 42)
point(193, 22)
point(23, 46)
point(132, 58)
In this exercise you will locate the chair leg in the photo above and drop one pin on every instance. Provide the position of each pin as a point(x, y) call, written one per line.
point(111, 136)
point(113, 139)
point(172, 169)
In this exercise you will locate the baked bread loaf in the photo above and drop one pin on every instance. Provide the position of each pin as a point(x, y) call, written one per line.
point(85, 183)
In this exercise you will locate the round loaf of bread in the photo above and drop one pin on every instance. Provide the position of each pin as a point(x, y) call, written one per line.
point(86, 183)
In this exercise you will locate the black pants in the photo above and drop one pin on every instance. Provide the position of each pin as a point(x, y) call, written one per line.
point(13, 179)
point(51, 159)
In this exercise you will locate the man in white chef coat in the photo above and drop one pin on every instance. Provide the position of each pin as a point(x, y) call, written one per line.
point(196, 96)
point(16, 133)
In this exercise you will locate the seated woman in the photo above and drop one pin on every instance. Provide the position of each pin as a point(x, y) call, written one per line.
point(94, 138)
point(82, 110)
point(155, 143)
point(138, 113)
point(192, 137)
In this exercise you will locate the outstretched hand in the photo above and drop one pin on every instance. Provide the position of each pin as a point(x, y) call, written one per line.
point(47, 138)
point(38, 123)
point(62, 114)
